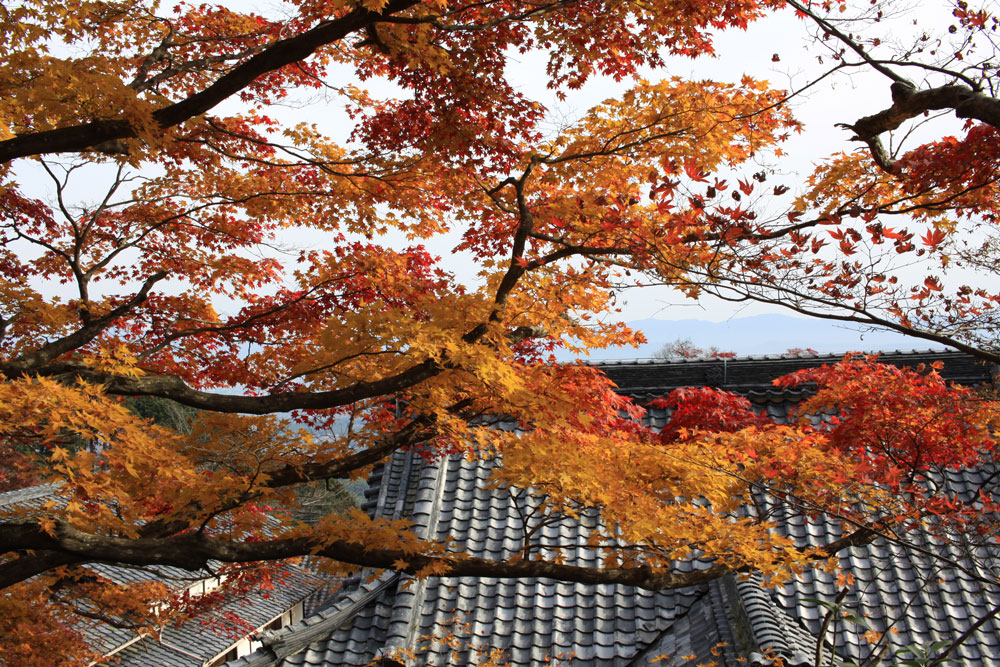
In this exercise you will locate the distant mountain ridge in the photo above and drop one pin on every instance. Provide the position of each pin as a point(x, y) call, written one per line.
point(763, 334)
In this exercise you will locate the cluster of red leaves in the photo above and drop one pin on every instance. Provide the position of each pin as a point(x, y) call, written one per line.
point(16, 469)
point(902, 421)
point(901, 430)
point(204, 27)
point(904, 429)
point(962, 168)
point(704, 409)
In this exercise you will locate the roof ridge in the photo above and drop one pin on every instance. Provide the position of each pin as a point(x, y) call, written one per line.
point(293, 638)
point(651, 361)
point(425, 513)
point(773, 630)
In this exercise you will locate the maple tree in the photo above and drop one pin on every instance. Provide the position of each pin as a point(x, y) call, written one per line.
point(924, 195)
point(170, 275)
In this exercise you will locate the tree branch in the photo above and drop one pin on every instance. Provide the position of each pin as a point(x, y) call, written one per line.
point(174, 388)
point(848, 41)
point(907, 103)
point(80, 337)
point(285, 52)
point(418, 430)
point(192, 551)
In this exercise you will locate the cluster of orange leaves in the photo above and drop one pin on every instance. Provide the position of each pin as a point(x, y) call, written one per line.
point(554, 221)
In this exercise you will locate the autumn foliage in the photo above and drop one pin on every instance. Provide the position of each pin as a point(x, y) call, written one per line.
point(226, 210)
point(694, 409)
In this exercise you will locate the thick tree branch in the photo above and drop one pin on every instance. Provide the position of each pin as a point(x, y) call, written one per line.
point(174, 388)
point(25, 567)
point(285, 52)
point(907, 103)
point(417, 431)
point(192, 551)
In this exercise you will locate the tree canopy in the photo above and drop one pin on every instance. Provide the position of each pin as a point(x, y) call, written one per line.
point(170, 230)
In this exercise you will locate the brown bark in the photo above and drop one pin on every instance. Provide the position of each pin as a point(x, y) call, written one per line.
point(908, 102)
point(193, 551)
point(172, 387)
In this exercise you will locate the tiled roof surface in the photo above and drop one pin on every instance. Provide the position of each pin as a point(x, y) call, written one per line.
point(918, 590)
point(193, 643)
point(356, 624)
point(530, 619)
point(151, 652)
point(197, 637)
point(897, 587)
point(31, 497)
point(772, 631)
point(755, 373)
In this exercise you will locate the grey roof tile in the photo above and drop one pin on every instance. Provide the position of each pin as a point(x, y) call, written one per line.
point(151, 652)
point(32, 496)
point(191, 643)
point(611, 626)
point(653, 378)
point(526, 617)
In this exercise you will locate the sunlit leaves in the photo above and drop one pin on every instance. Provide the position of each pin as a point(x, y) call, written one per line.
point(869, 462)
point(225, 249)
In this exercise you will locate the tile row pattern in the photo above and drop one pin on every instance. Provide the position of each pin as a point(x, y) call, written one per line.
point(530, 620)
point(742, 620)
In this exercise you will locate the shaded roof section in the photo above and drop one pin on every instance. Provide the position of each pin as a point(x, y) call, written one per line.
point(918, 595)
point(189, 644)
point(193, 643)
point(901, 590)
point(754, 374)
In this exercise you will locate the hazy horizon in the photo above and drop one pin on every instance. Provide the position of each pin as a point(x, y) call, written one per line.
point(763, 334)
